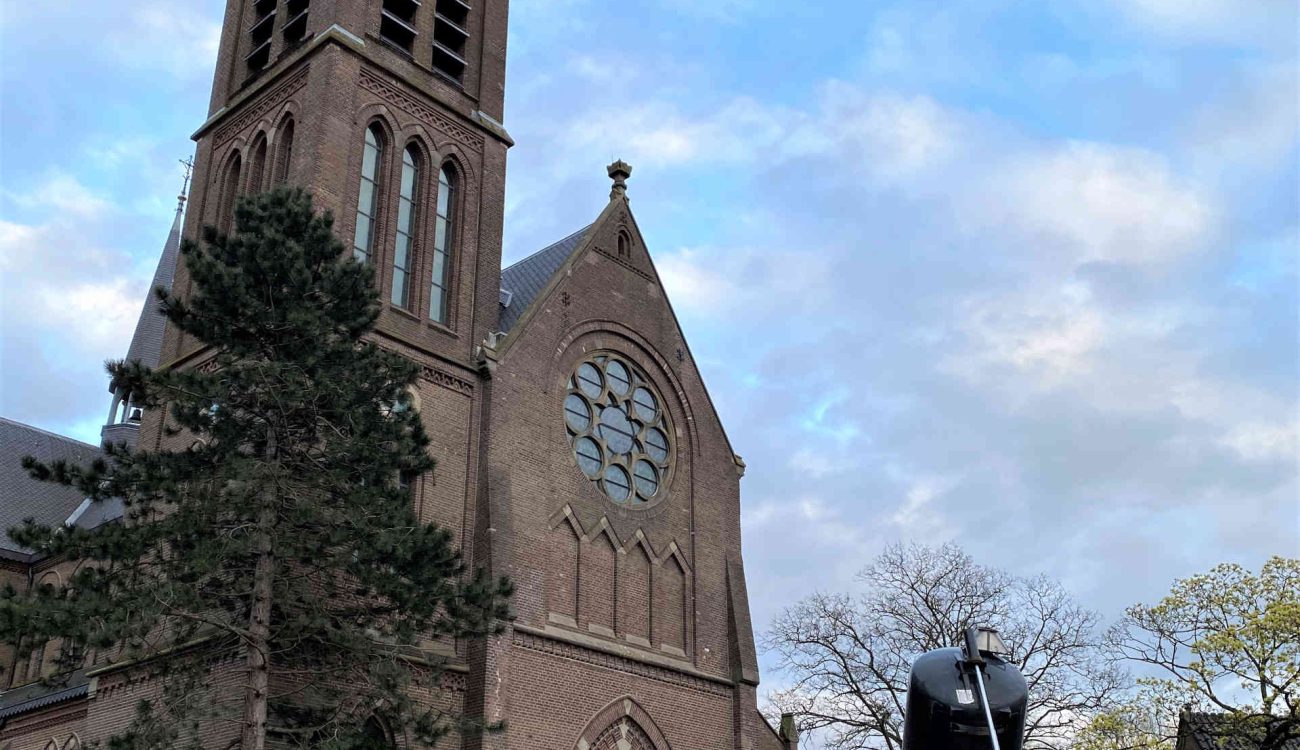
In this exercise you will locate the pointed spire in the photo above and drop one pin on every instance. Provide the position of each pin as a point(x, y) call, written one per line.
point(619, 171)
point(146, 344)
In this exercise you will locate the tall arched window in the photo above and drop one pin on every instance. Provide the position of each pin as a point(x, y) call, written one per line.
point(283, 153)
point(624, 245)
point(402, 250)
point(229, 192)
point(443, 236)
point(257, 167)
point(368, 195)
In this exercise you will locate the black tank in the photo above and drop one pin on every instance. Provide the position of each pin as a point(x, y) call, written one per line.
point(943, 704)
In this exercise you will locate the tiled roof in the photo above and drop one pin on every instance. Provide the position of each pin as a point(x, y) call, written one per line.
point(39, 695)
point(21, 496)
point(146, 344)
point(1215, 732)
point(527, 278)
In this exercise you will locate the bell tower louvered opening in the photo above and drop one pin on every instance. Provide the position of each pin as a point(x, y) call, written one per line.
point(295, 22)
point(260, 33)
point(450, 37)
point(397, 24)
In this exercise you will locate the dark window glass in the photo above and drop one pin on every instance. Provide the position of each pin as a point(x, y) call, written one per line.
point(619, 432)
point(576, 412)
point(646, 408)
point(229, 193)
point(367, 195)
point(257, 167)
point(283, 153)
point(402, 250)
point(619, 380)
point(647, 479)
point(589, 380)
point(617, 485)
point(589, 459)
point(443, 236)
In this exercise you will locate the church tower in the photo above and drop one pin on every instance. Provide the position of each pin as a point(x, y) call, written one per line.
point(388, 112)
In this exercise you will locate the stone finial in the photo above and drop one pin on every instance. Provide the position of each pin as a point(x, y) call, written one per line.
point(619, 171)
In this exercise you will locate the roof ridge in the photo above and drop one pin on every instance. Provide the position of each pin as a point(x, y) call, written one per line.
point(536, 253)
point(56, 435)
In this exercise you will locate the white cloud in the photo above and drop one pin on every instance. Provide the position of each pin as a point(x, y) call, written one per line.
point(918, 518)
point(1258, 21)
point(192, 38)
point(744, 281)
point(1097, 202)
point(889, 136)
point(1254, 126)
point(61, 193)
point(1049, 341)
point(1265, 442)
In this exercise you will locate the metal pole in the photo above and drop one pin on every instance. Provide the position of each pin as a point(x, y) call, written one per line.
point(984, 702)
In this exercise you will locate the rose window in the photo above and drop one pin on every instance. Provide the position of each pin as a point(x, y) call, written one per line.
point(618, 429)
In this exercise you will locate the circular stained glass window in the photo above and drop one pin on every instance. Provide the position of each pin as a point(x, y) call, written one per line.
point(618, 429)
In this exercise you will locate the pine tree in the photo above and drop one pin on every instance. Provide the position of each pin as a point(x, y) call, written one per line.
point(281, 543)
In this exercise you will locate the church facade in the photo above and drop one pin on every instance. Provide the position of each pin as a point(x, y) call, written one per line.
point(578, 451)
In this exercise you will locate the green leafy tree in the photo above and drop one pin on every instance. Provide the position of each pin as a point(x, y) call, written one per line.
point(1227, 641)
point(1145, 722)
point(280, 544)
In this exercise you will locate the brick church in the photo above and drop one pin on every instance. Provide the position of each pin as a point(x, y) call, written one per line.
point(578, 451)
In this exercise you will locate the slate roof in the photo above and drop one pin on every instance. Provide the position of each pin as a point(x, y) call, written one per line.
point(146, 344)
point(23, 497)
point(527, 278)
point(39, 695)
point(1210, 733)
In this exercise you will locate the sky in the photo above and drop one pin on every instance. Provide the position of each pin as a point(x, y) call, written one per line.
point(1017, 275)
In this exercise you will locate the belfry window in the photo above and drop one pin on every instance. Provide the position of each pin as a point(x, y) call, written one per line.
point(259, 34)
point(397, 23)
point(295, 23)
point(402, 249)
point(450, 35)
point(443, 236)
point(368, 195)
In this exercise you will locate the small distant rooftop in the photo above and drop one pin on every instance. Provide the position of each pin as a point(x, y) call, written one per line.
point(1206, 731)
point(22, 497)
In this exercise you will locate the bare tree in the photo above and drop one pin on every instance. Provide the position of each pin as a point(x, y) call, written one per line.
point(849, 656)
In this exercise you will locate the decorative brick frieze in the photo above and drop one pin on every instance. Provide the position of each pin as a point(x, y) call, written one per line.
point(447, 380)
point(264, 105)
point(552, 644)
point(403, 101)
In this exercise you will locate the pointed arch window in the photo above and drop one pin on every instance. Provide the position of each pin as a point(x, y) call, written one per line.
point(443, 236)
point(368, 195)
point(229, 191)
point(402, 246)
point(257, 167)
point(283, 153)
point(624, 245)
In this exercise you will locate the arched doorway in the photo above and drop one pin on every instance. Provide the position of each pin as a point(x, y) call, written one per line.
point(625, 735)
point(622, 725)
